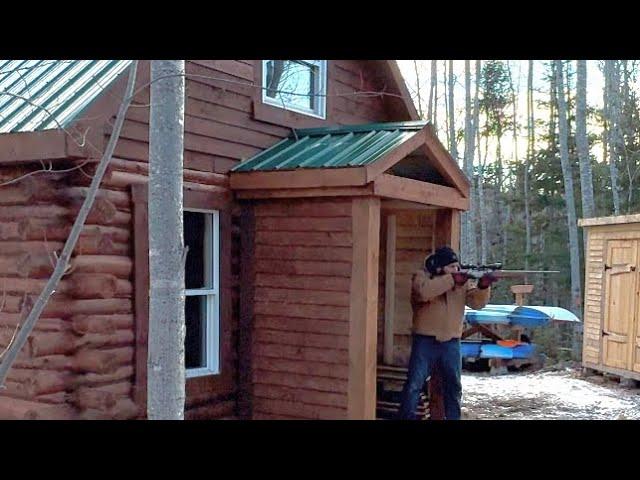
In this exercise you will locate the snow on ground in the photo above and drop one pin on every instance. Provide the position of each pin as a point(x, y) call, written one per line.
point(546, 395)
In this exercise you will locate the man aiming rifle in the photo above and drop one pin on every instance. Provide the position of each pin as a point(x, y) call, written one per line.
point(439, 293)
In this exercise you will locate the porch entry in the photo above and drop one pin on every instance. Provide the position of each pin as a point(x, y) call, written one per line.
point(340, 218)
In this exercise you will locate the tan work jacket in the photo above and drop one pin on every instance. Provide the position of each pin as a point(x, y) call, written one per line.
point(438, 304)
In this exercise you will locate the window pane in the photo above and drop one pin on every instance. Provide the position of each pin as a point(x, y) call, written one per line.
point(195, 338)
point(195, 239)
point(293, 82)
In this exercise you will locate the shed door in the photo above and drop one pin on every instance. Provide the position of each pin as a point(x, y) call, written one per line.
point(620, 303)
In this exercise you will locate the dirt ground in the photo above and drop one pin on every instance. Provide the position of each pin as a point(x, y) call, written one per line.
point(556, 393)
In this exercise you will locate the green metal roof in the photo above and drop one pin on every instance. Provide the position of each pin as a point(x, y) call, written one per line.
point(332, 147)
point(45, 94)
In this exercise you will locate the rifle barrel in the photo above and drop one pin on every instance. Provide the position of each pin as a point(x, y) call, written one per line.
point(516, 273)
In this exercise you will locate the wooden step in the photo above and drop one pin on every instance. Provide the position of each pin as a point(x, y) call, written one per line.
point(392, 368)
point(391, 376)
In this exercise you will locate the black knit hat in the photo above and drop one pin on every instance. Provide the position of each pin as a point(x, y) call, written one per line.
point(442, 257)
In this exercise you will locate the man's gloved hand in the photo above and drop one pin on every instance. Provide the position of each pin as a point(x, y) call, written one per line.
point(487, 280)
point(460, 278)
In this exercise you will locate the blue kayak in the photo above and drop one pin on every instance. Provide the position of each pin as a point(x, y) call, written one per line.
point(476, 349)
point(525, 316)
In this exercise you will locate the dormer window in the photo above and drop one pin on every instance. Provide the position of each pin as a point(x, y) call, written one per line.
point(298, 85)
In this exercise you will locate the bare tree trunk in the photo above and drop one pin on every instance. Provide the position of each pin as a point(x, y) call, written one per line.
point(476, 128)
point(626, 132)
point(468, 252)
point(433, 93)
point(612, 127)
point(514, 102)
point(446, 104)
point(582, 143)
point(415, 66)
point(553, 102)
point(500, 201)
point(452, 123)
point(63, 261)
point(574, 249)
point(481, 201)
point(528, 160)
point(435, 101)
point(166, 370)
point(605, 113)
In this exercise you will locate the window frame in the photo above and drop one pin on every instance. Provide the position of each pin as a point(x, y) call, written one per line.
point(321, 88)
point(225, 382)
point(212, 295)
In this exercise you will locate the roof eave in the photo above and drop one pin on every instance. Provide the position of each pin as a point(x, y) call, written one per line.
point(299, 178)
point(50, 145)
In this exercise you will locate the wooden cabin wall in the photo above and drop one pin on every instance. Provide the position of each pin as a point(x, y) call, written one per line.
point(300, 335)
point(415, 238)
point(82, 353)
point(81, 359)
point(221, 127)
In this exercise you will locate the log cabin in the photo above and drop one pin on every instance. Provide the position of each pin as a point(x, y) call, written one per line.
point(312, 191)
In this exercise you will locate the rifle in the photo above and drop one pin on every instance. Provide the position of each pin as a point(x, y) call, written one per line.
point(477, 271)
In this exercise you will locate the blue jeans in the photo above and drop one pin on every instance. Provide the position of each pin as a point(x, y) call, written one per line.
point(426, 352)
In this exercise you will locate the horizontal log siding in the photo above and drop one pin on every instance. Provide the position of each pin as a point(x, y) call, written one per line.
point(301, 309)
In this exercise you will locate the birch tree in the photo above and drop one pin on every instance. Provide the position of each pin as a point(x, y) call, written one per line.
point(582, 143)
point(166, 370)
point(574, 249)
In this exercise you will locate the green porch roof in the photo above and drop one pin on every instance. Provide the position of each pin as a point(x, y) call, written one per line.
point(332, 147)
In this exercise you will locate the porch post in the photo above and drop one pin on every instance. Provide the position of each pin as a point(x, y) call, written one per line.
point(363, 309)
point(447, 228)
point(390, 290)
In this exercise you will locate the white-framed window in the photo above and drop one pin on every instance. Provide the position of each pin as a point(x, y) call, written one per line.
point(298, 85)
point(202, 288)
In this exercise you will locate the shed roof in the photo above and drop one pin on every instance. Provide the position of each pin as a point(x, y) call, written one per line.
point(45, 94)
point(333, 147)
point(612, 220)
